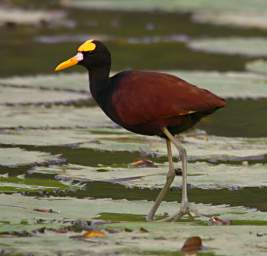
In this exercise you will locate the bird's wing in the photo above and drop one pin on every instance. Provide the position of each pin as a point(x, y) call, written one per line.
point(141, 97)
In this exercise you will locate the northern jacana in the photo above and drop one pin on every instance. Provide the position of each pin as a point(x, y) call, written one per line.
point(149, 103)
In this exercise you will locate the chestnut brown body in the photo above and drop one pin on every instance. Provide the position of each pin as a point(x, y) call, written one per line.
point(145, 102)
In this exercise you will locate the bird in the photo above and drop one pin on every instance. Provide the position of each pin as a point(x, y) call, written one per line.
point(148, 103)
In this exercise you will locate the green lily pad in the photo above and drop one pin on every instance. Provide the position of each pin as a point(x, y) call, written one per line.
point(12, 157)
point(219, 240)
point(160, 236)
point(257, 66)
point(201, 175)
point(45, 137)
point(233, 46)
point(204, 148)
point(225, 84)
point(235, 13)
point(71, 209)
point(215, 148)
point(72, 81)
point(11, 95)
point(169, 5)
point(41, 117)
point(30, 17)
point(232, 18)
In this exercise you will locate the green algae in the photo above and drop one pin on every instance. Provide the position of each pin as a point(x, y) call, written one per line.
point(15, 157)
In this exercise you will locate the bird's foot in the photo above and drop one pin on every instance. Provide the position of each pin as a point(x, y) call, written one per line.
point(184, 210)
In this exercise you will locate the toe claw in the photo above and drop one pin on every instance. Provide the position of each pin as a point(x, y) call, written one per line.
point(184, 210)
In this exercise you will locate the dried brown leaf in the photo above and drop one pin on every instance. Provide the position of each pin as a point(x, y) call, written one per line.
point(93, 234)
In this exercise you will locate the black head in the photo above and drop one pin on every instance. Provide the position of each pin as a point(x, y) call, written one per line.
point(91, 54)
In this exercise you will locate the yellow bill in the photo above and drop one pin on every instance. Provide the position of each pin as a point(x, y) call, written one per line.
point(70, 62)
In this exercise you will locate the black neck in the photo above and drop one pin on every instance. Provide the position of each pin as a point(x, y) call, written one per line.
point(99, 78)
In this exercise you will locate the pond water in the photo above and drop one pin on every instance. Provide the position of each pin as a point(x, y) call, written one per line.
point(56, 145)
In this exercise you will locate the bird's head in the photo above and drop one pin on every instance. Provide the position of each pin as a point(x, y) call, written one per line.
point(91, 54)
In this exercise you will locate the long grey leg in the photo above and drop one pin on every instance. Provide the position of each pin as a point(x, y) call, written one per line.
point(169, 180)
point(182, 152)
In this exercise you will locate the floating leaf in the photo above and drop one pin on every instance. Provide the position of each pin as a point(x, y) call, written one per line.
point(257, 66)
point(73, 81)
point(225, 84)
point(13, 96)
point(230, 18)
point(233, 45)
point(27, 17)
point(169, 5)
point(11, 157)
point(201, 175)
point(51, 242)
point(41, 117)
point(93, 234)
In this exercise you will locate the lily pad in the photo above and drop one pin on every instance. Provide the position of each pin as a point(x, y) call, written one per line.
point(169, 5)
point(72, 81)
point(233, 46)
point(199, 147)
point(53, 117)
point(45, 137)
point(215, 148)
point(201, 175)
point(12, 157)
point(30, 17)
point(205, 148)
point(71, 209)
point(219, 240)
point(19, 185)
point(160, 236)
point(235, 13)
point(13, 96)
point(231, 18)
point(225, 84)
point(257, 66)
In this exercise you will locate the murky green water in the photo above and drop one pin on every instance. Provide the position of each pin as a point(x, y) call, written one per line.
point(139, 40)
